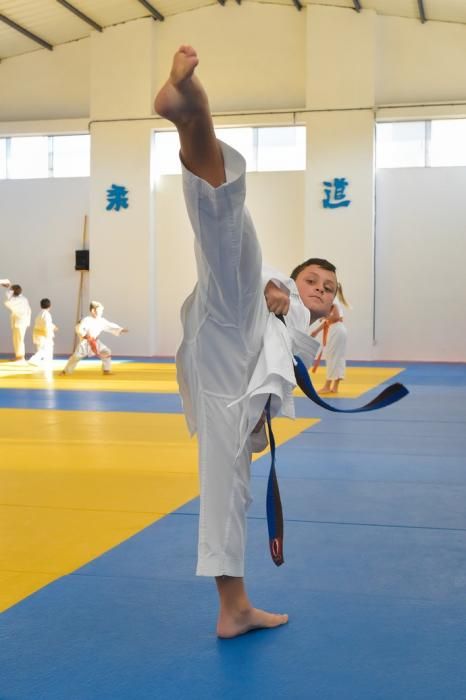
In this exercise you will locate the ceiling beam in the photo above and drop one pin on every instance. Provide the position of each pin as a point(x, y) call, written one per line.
point(422, 12)
point(26, 32)
point(297, 4)
point(80, 14)
point(357, 5)
point(155, 13)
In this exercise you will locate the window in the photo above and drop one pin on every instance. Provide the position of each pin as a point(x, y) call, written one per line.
point(44, 156)
point(243, 140)
point(2, 159)
point(281, 148)
point(433, 143)
point(28, 157)
point(401, 145)
point(264, 148)
point(71, 156)
point(448, 142)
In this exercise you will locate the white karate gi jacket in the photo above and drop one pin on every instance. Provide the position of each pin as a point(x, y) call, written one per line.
point(19, 309)
point(94, 326)
point(233, 355)
point(44, 328)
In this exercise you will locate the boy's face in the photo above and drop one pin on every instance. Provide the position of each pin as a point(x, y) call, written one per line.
point(97, 311)
point(317, 288)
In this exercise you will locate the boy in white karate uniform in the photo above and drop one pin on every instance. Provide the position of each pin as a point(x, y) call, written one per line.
point(20, 317)
point(234, 353)
point(43, 334)
point(88, 331)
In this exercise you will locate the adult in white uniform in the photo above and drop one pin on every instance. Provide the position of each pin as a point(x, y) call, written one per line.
point(20, 318)
point(88, 331)
point(235, 353)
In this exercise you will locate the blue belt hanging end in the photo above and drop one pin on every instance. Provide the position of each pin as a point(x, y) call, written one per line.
point(274, 504)
point(388, 396)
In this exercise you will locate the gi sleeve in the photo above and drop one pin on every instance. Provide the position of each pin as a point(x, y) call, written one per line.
point(110, 327)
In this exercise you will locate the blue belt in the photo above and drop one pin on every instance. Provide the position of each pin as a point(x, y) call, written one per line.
point(389, 395)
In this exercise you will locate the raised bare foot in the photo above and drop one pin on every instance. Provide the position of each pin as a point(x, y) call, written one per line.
point(182, 95)
point(229, 626)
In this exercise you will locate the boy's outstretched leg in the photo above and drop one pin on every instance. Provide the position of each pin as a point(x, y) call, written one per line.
point(236, 614)
point(183, 101)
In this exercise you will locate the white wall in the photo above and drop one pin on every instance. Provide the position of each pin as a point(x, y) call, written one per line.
point(340, 58)
point(421, 254)
point(419, 62)
point(340, 144)
point(121, 242)
point(341, 78)
point(326, 67)
point(41, 226)
point(46, 84)
point(252, 56)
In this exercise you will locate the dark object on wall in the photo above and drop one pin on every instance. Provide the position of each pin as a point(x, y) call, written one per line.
point(82, 260)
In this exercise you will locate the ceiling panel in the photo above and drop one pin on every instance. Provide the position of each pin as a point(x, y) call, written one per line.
point(56, 25)
point(446, 10)
point(396, 8)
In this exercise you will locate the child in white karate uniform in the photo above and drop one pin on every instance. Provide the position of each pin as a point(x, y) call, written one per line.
point(88, 331)
point(43, 334)
point(334, 351)
point(235, 353)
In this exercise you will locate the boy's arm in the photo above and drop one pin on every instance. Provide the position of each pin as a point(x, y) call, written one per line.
point(276, 298)
point(113, 328)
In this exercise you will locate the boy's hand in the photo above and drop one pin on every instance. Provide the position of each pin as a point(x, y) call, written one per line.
point(277, 300)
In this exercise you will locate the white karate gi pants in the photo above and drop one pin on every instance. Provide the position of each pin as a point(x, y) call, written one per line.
point(83, 350)
point(223, 323)
point(230, 339)
point(44, 352)
point(18, 333)
point(335, 351)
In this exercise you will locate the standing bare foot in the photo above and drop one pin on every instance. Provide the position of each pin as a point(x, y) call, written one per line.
point(233, 625)
point(237, 616)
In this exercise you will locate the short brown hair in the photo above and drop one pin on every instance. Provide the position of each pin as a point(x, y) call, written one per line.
point(320, 262)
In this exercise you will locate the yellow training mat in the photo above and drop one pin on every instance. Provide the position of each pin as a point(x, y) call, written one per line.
point(74, 484)
point(358, 380)
point(160, 378)
point(157, 377)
